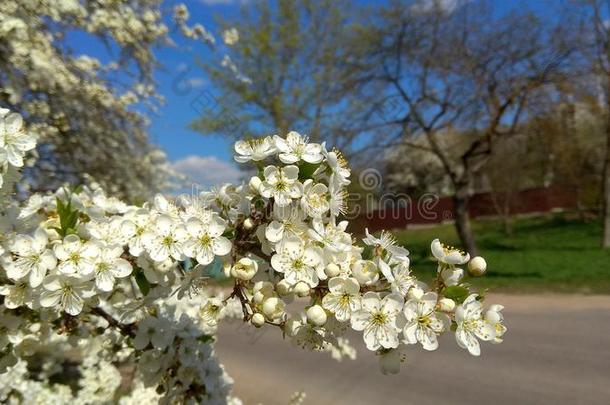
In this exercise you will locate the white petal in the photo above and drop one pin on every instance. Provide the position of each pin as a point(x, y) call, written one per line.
point(50, 298)
point(104, 281)
point(121, 268)
point(274, 231)
point(221, 246)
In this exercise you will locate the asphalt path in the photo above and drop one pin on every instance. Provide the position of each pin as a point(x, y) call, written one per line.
point(556, 351)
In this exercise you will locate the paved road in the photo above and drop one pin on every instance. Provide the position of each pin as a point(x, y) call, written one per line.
point(557, 351)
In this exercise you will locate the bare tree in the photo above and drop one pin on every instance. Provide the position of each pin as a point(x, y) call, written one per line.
point(284, 73)
point(428, 73)
point(597, 48)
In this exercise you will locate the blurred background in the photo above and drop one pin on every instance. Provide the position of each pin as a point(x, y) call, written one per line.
point(483, 123)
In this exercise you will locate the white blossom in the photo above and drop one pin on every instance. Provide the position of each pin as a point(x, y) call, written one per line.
point(421, 322)
point(494, 317)
point(377, 320)
point(288, 221)
point(65, 292)
point(296, 148)
point(298, 262)
point(281, 184)
point(108, 266)
point(471, 325)
point(315, 199)
point(165, 239)
point(279, 240)
point(206, 240)
point(343, 298)
point(32, 257)
point(75, 256)
point(254, 149)
point(447, 254)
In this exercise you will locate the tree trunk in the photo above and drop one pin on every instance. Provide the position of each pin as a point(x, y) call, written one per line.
point(606, 189)
point(461, 200)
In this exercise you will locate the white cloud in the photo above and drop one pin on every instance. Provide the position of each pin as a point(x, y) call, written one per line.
point(446, 6)
point(221, 2)
point(196, 82)
point(182, 67)
point(206, 171)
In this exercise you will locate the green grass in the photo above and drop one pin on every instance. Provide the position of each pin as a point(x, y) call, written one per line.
point(543, 254)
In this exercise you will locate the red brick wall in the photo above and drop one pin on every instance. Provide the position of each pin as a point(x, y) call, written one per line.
point(433, 211)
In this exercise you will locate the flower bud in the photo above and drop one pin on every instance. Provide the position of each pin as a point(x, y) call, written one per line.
point(226, 269)
point(283, 288)
point(254, 183)
point(446, 304)
point(477, 266)
point(301, 289)
point(264, 287)
point(248, 223)
point(452, 276)
point(244, 269)
point(332, 270)
point(273, 307)
point(258, 320)
point(415, 293)
point(258, 297)
point(366, 272)
point(316, 315)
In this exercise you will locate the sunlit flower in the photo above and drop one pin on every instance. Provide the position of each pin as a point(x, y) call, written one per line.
point(447, 254)
point(386, 243)
point(287, 222)
point(296, 147)
point(315, 199)
point(230, 36)
point(377, 320)
point(297, 262)
point(281, 184)
point(254, 149)
point(494, 317)
point(66, 293)
point(14, 140)
point(206, 240)
point(108, 266)
point(343, 298)
point(421, 323)
point(471, 325)
point(165, 239)
point(31, 258)
point(75, 256)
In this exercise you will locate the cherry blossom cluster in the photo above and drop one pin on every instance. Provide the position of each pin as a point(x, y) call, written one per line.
point(142, 279)
point(73, 98)
point(15, 142)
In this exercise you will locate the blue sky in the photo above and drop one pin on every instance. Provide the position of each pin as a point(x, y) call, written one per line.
point(206, 160)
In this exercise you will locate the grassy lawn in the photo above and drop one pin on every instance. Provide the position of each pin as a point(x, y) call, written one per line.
point(549, 253)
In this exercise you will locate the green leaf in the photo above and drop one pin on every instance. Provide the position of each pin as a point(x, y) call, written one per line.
point(229, 233)
point(368, 253)
point(68, 217)
point(306, 170)
point(456, 293)
point(142, 283)
point(205, 338)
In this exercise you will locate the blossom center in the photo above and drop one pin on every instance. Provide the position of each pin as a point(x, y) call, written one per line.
point(379, 318)
point(168, 241)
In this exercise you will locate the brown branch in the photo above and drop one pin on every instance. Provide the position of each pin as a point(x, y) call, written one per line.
point(127, 330)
